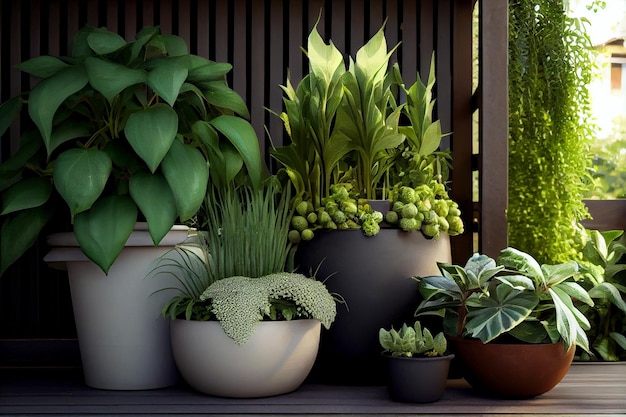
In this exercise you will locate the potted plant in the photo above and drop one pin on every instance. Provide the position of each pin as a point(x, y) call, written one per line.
point(417, 364)
point(115, 133)
point(603, 276)
point(354, 146)
point(514, 322)
point(242, 327)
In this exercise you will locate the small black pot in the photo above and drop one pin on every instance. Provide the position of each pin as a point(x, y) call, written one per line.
point(417, 380)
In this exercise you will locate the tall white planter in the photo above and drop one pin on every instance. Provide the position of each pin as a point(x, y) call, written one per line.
point(124, 341)
point(275, 360)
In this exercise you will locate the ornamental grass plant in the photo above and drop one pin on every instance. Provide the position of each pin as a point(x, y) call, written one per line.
point(236, 272)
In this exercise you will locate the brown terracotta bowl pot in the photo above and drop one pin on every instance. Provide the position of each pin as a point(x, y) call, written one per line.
point(512, 370)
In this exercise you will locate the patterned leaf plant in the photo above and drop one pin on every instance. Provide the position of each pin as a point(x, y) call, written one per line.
point(511, 297)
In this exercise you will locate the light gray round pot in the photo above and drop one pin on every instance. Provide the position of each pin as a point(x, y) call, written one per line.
point(275, 360)
point(123, 339)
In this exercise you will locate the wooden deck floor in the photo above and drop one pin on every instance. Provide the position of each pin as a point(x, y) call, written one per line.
point(587, 390)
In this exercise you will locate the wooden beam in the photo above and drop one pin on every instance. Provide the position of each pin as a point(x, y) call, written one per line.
point(494, 126)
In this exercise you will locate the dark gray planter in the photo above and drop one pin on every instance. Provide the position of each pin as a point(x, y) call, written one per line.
point(417, 380)
point(373, 275)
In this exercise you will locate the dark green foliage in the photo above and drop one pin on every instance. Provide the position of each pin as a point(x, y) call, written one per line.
point(550, 66)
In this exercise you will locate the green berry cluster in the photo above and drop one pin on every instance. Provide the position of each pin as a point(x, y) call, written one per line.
point(427, 208)
point(340, 210)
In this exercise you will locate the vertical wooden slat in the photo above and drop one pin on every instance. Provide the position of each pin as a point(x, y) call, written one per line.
point(297, 39)
point(184, 19)
point(356, 28)
point(443, 66)
point(408, 49)
point(276, 74)
point(426, 35)
point(493, 87)
point(256, 84)
point(240, 59)
point(338, 24)
point(462, 124)
point(202, 19)
point(221, 32)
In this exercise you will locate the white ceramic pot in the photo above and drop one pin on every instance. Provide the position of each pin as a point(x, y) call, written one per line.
point(123, 340)
point(275, 360)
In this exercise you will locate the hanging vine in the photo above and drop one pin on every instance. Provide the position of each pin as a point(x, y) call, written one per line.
point(550, 66)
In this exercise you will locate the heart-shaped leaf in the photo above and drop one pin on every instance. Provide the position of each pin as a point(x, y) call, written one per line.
point(43, 66)
point(151, 133)
point(220, 95)
point(47, 96)
point(110, 78)
point(29, 193)
point(19, 232)
point(8, 112)
point(103, 231)
point(244, 139)
point(155, 199)
point(103, 42)
point(167, 78)
point(187, 174)
point(80, 176)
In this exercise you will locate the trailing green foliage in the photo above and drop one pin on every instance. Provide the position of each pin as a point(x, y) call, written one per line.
point(550, 63)
point(412, 341)
point(513, 295)
point(603, 270)
point(115, 131)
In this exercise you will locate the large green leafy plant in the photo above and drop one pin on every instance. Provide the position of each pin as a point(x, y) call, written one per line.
point(351, 142)
point(603, 270)
point(115, 130)
point(513, 298)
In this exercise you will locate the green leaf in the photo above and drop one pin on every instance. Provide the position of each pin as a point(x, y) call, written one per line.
point(19, 232)
point(220, 95)
point(243, 137)
point(10, 170)
point(69, 130)
point(80, 176)
point(8, 112)
point(431, 139)
point(103, 42)
point(47, 96)
point(620, 339)
point(608, 291)
point(187, 174)
point(505, 308)
point(43, 66)
point(520, 261)
point(203, 70)
point(103, 231)
point(155, 199)
point(29, 193)
point(110, 78)
point(174, 45)
point(167, 78)
point(567, 320)
point(151, 133)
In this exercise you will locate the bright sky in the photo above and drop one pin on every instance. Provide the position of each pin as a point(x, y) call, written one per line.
point(606, 23)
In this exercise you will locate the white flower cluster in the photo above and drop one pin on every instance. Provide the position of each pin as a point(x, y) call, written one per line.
point(239, 303)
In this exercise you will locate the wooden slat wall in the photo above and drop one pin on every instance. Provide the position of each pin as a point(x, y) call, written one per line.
point(262, 39)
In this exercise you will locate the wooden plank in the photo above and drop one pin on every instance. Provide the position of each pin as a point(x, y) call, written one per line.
point(588, 389)
point(606, 214)
point(494, 127)
point(461, 139)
